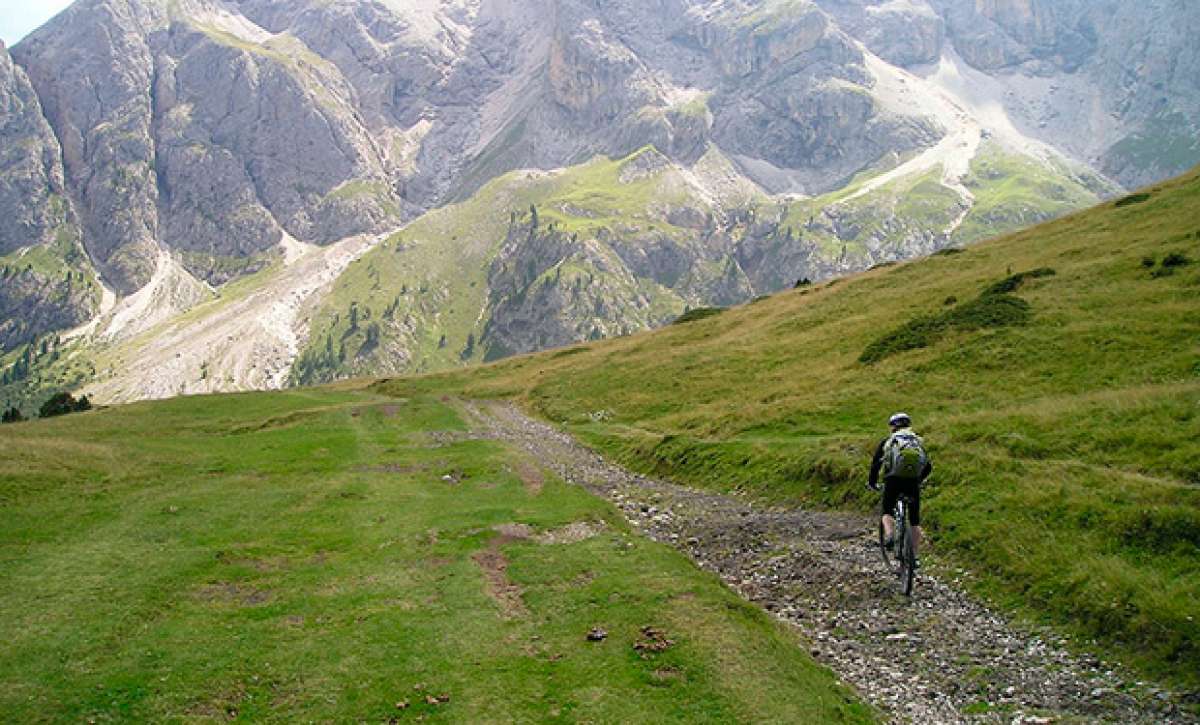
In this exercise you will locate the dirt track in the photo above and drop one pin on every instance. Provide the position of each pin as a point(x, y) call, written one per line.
point(939, 657)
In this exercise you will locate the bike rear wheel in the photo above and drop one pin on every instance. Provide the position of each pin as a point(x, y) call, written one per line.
point(906, 552)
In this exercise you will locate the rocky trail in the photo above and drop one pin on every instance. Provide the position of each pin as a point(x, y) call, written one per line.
point(939, 657)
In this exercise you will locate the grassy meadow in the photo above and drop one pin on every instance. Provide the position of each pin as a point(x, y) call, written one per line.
point(1062, 409)
point(341, 556)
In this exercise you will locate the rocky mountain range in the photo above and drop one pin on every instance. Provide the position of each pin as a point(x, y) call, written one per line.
point(207, 195)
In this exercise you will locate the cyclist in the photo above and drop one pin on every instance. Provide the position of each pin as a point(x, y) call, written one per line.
point(902, 460)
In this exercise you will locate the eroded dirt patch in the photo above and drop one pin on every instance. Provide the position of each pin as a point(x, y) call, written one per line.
point(531, 476)
point(514, 532)
point(494, 565)
point(221, 707)
point(444, 438)
point(395, 468)
point(571, 533)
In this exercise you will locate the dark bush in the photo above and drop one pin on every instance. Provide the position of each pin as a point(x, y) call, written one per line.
point(1175, 259)
point(62, 404)
point(883, 265)
point(1148, 262)
point(993, 308)
point(1161, 528)
point(699, 313)
point(948, 251)
point(1013, 282)
point(949, 301)
point(805, 282)
point(568, 352)
point(1132, 199)
point(12, 415)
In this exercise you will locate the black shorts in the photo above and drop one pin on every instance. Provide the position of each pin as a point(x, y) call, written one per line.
point(893, 487)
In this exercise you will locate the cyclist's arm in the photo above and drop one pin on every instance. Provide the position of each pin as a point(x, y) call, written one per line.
point(876, 464)
point(928, 470)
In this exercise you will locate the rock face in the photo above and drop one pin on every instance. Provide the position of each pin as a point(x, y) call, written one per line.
point(223, 138)
point(45, 281)
point(1139, 62)
point(198, 131)
point(31, 177)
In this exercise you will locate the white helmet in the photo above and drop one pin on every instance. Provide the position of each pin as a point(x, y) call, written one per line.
point(900, 420)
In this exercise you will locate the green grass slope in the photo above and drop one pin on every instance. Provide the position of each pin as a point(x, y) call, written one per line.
point(1062, 409)
point(302, 556)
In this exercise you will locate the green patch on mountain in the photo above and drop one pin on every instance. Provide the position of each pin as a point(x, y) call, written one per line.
point(1013, 192)
point(32, 373)
point(420, 301)
point(842, 223)
point(357, 189)
point(1065, 446)
point(1163, 145)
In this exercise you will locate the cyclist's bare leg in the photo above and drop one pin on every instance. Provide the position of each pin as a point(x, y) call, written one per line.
point(889, 526)
point(916, 539)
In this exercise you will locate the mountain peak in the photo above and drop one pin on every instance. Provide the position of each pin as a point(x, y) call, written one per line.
point(197, 144)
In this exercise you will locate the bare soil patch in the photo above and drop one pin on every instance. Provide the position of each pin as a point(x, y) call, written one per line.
point(531, 476)
point(494, 565)
point(571, 533)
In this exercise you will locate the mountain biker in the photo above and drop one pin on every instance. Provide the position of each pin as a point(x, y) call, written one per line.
point(896, 481)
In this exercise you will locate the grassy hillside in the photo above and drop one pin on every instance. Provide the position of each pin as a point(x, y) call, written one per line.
point(335, 556)
point(1062, 409)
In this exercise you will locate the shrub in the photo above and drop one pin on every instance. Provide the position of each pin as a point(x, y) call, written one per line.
point(1013, 282)
point(1148, 262)
point(993, 308)
point(1175, 259)
point(1161, 528)
point(805, 282)
point(62, 404)
point(1132, 199)
point(950, 301)
point(948, 251)
point(12, 415)
point(568, 352)
point(699, 313)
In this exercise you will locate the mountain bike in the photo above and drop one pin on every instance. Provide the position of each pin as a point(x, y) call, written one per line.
point(903, 560)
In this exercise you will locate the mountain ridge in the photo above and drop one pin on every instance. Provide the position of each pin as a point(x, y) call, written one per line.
point(774, 118)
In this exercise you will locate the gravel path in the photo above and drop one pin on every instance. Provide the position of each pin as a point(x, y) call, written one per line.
point(939, 657)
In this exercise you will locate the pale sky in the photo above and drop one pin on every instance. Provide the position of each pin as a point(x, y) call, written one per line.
point(19, 17)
